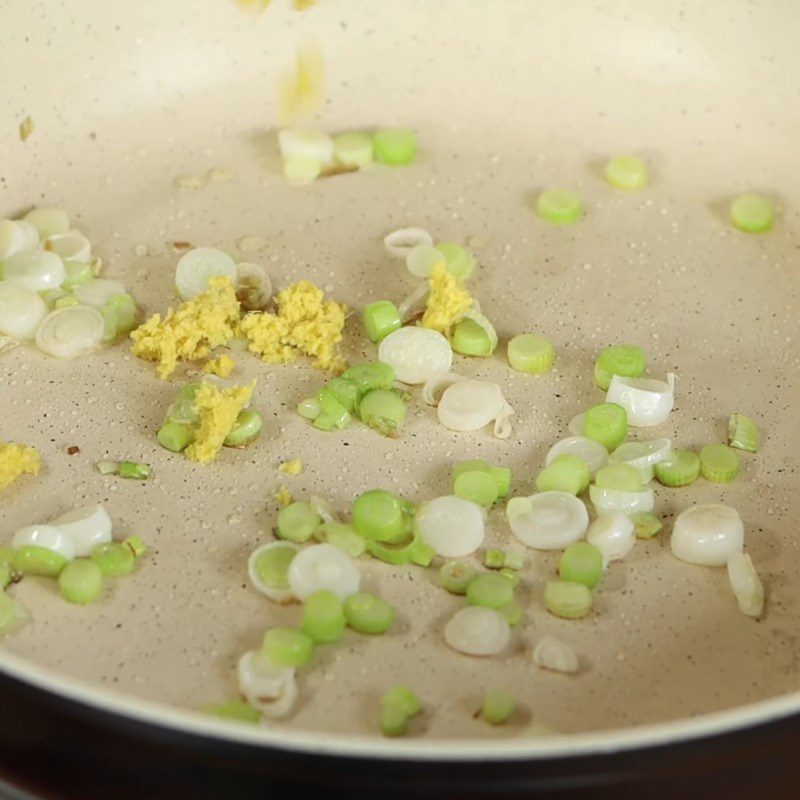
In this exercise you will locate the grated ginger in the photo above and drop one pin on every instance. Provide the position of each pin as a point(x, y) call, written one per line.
point(283, 496)
point(293, 467)
point(190, 333)
point(219, 409)
point(222, 366)
point(16, 460)
point(448, 300)
point(301, 93)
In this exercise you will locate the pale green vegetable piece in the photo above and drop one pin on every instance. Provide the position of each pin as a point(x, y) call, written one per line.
point(626, 172)
point(568, 599)
point(352, 149)
point(752, 213)
point(742, 433)
point(560, 206)
point(530, 353)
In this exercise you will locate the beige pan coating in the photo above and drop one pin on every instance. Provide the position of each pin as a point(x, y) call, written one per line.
point(508, 97)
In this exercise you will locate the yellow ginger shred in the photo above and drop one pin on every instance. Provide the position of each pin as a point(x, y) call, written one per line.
point(222, 366)
point(447, 302)
point(219, 409)
point(293, 467)
point(283, 496)
point(190, 333)
point(16, 460)
point(301, 93)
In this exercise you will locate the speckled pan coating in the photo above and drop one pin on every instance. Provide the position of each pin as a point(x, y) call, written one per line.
point(509, 97)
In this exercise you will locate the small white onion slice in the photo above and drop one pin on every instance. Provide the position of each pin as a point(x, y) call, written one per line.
point(70, 331)
point(198, 266)
point(614, 535)
point(16, 236)
point(416, 354)
point(324, 509)
point(269, 688)
point(274, 593)
point(399, 242)
point(502, 423)
point(37, 269)
point(98, 291)
point(415, 303)
point(438, 383)
point(592, 452)
point(575, 425)
point(452, 526)
point(647, 401)
point(642, 456)
point(46, 536)
point(708, 535)
point(746, 585)
point(21, 310)
point(48, 221)
point(70, 246)
point(483, 322)
point(477, 631)
point(306, 144)
point(86, 527)
point(253, 286)
point(548, 520)
point(555, 655)
point(421, 260)
point(469, 405)
point(323, 566)
point(607, 501)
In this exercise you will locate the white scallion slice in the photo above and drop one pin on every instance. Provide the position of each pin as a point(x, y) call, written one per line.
point(198, 266)
point(452, 526)
point(608, 501)
point(279, 594)
point(421, 260)
point(37, 269)
point(70, 246)
point(477, 631)
point(746, 585)
point(437, 384)
point(592, 452)
point(707, 535)
point(253, 286)
point(48, 221)
point(300, 171)
point(548, 520)
point(97, 292)
point(47, 536)
point(313, 145)
point(647, 401)
point(324, 509)
point(415, 303)
point(575, 425)
point(17, 236)
point(21, 310)
point(399, 242)
point(555, 655)
point(70, 331)
point(483, 322)
point(469, 405)
point(323, 566)
point(86, 527)
point(642, 456)
point(614, 535)
point(502, 422)
point(416, 354)
point(270, 689)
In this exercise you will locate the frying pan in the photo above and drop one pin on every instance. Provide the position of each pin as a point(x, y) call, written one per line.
point(678, 692)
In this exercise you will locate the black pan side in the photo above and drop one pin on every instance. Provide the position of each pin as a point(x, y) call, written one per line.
point(56, 748)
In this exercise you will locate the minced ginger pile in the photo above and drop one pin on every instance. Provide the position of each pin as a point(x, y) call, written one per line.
point(304, 323)
point(448, 300)
point(218, 409)
point(16, 460)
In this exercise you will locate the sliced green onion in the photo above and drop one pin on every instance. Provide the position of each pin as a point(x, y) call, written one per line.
point(502, 477)
point(33, 560)
point(332, 411)
point(746, 585)
point(66, 302)
point(680, 469)
point(237, 710)
point(560, 206)
point(455, 576)
point(383, 411)
point(109, 314)
point(21, 310)
point(494, 559)
point(352, 149)
point(113, 559)
point(48, 221)
point(742, 433)
point(309, 408)
point(6, 573)
point(393, 721)
point(107, 467)
point(626, 360)
point(619, 477)
point(642, 456)
point(369, 376)
point(368, 613)
point(719, 463)
point(530, 353)
point(184, 410)
point(125, 313)
point(707, 535)
point(565, 473)
point(479, 486)
point(422, 554)
point(470, 339)
point(175, 436)
point(345, 391)
point(380, 319)
point(246, 429)
point(458, 260)
point(134, 470)
point(398, 705)
point(646, 524)
point(395, 146)
point(420, 261)
point(136, 546)
point(76, 273)
point(70, 332)
point(342, 537)
point(268, 569)
point(394, 552)
point(512, 576)
point(12, 614)
point(490, 591)
point(297, 522)
point(568, 599)
point(477, 631)
point(301, 170)
point(498, 707)
point(514, 559)
point(606, 423)
point(287, 647)
point(381, 516)
point(752, 213)
point(80, 582)
point(323, 617)
point(581, 562)
point(626, 172)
